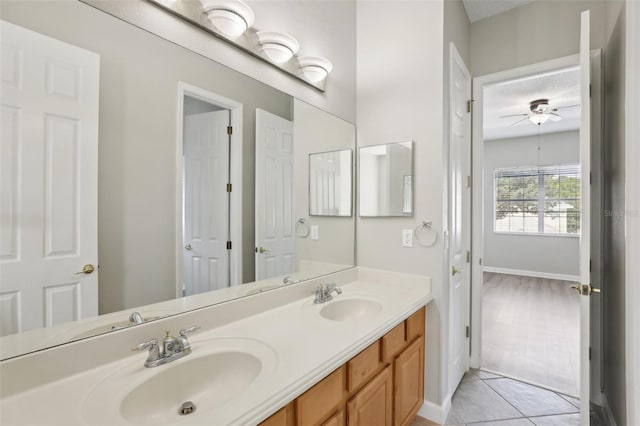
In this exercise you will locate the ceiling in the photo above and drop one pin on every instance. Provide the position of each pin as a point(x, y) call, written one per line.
point(560, 87)
point(480, 9)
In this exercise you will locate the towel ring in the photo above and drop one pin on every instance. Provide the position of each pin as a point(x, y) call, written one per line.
point(431, 236)
point(302, 228)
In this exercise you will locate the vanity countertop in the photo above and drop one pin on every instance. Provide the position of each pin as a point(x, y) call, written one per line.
point(303, 347)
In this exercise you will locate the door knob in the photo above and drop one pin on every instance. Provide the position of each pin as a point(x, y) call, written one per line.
point(585, 289)
point(188, 247)
point(86, 269)
point(455, 270)
point(261, 250)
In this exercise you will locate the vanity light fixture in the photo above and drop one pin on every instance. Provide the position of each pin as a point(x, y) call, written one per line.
point(315, 69)
point(231, 17)
point(279, 47)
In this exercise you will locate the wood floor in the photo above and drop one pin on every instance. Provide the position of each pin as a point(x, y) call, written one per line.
point(530, 330)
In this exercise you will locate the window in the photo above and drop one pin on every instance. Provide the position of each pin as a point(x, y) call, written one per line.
point(538, 200)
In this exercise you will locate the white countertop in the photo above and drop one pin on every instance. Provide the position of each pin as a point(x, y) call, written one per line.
point(305, 347)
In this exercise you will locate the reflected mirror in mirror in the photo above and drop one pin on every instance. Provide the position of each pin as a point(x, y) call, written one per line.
point(161, 178)
point(330, 183)
point(386, 180)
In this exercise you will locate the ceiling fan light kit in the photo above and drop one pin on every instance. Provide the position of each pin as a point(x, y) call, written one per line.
point(540, 112)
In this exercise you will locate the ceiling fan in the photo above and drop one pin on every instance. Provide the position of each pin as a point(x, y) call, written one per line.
point(540, 112)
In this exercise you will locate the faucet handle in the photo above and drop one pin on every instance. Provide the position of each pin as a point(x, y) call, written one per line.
point(145, 345)
point(191, 329)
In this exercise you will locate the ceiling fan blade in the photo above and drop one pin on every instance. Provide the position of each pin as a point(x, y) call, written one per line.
point(520, 121)
point(568, 106)
point(514, 115)
point(554, 117)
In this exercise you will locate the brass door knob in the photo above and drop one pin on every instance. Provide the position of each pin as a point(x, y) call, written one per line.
point(261, 250)
point(188, 247)
point(86, 269)
point(585, 289)
point(455, 271)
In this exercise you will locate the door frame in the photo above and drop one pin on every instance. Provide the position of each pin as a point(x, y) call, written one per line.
point(478, 187)
point(235, 220)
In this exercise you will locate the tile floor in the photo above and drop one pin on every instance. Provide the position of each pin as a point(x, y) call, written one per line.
point(484, 399)
point(530, 330)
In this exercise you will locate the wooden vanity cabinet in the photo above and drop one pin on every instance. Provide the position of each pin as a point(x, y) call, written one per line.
point(381, 386)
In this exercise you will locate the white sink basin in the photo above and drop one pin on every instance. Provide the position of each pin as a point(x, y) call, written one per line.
point(349, 309)
point(219, 372)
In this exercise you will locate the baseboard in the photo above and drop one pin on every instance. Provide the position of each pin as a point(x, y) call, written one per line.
point(535, 274)
point(606, 411)
point(434, 412)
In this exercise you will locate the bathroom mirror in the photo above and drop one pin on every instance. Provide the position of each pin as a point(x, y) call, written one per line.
point(172, 129)
point(386, 180)
point(330, 183)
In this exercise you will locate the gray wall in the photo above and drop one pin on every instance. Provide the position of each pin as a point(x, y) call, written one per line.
point(542, 254)
point(613, 293)
point(399, 96)
point(136, 170)
point(536, 32)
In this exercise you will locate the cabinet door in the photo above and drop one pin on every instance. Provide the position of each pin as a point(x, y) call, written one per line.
point(336, 420)
point(408, 383)
point(316, 404)
point(372, 405)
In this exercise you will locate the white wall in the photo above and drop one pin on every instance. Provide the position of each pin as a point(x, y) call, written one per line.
point(536, 32)
point(323, 28)
point(534, 253)
point(316, 131)
point(399, 97)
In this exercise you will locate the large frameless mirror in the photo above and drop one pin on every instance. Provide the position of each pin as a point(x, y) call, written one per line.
point(386, 180)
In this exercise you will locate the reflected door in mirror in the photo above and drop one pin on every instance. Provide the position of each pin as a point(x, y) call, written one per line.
point(206, 202)
point(49, 214)
point(275, 240)
point(330, 183)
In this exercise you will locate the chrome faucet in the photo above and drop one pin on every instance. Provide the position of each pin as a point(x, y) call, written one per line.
point(288, 280)
point(136, 318)
point(172, 348)
point(323, 293)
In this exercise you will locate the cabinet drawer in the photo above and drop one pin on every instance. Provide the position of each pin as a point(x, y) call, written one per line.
point(415, 325)
point(363, 366)
point(320, 401)
point(284, 417)
point(392, 342)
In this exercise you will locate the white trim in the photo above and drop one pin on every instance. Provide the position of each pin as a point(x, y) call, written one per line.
point(235, 110)
point(632, 218)
point(434, 412)
point(535, 274)
point(477, 203)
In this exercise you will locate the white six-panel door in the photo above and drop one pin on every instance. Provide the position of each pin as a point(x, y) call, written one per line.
point(48, 181)
point(206, 202)
point(460, 217)
point(275, 242)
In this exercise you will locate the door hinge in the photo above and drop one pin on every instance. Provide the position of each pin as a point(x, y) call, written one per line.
point(589, 353)
point(468, 256)
point(229, 130)
point(228, 245)
point(469, 102)
point(468, 332)
point(228, 187)
point(589, 90)
point(589, 265)
point(468, 181)
point(480, 261)
point(590, 178)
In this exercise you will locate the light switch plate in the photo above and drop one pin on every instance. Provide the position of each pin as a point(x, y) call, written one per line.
point(407, 238)
point(314, 232)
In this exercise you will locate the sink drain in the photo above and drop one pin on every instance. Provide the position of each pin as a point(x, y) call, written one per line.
point(187, 407)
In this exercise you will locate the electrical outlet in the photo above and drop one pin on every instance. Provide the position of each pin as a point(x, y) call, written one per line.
point(407, 238)
point(314, 232)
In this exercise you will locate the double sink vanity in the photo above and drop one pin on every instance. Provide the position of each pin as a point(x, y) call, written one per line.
point(274, 359)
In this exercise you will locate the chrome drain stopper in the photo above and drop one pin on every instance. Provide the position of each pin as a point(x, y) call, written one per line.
point(187, 407)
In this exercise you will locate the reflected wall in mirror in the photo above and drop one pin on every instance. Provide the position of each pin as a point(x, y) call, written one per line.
point(386, 180)
point(330, 183)
point(153, 119)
